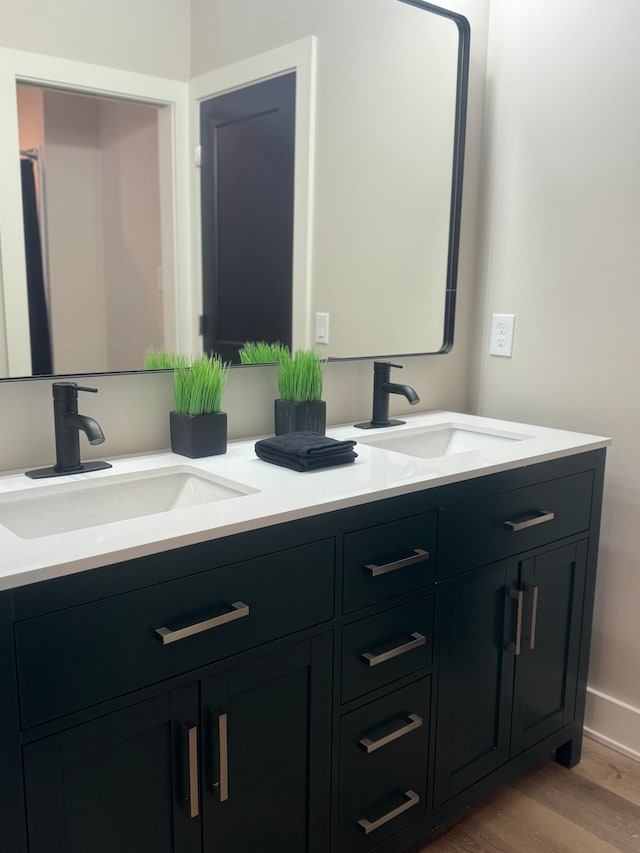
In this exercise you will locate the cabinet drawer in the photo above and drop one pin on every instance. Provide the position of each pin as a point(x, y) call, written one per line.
point(382, 648)
point(389, 559)
point(500, 526)
point(384, 736)
point(372, 814)
point(77, 657)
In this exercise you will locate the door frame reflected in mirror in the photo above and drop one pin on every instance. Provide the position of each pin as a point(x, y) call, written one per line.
point(22, 67)
point(298, 57)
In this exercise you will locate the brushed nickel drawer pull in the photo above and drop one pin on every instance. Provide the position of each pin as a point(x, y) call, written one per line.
point(221, 787)
point(238, 611)
point(514, 647)
point(371, 745)
point(416, 641)
point(530, 628)
point(190, 738)
point(419, 556)
point(540, 517)
point(370, 826)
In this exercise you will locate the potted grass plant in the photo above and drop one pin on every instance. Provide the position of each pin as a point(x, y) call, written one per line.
point(300, 406)
point(198, 426)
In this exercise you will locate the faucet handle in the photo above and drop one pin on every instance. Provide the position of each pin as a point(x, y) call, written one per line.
point(69, 390)
point(383, 368)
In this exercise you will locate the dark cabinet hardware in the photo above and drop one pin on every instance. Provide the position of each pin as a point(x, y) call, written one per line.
point(168, 635)
point(416, 641)
point(419, 556)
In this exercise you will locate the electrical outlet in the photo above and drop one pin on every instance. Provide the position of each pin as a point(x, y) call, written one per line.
point(501, 342)
point(322, 327)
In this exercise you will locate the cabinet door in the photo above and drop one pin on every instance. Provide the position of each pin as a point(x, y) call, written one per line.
point(477, 620)
point(125, 782)
point(266, 759)
point(546, 669)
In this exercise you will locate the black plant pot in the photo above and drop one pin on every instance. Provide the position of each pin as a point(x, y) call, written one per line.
point(296, 417)
point(198, 435)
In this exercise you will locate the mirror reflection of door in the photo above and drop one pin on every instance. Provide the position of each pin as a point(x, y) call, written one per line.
point(97, 165)
point(247, 179)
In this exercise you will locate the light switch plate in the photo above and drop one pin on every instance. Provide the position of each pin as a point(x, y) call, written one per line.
point(501, 341)
point(322, 327)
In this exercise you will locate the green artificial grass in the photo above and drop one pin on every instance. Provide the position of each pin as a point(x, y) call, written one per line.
point(198, 387)
point(260, 352)
point(301, 376)
point(164, 360)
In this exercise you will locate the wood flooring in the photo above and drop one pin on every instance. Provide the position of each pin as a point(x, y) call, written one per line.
point(593, 808)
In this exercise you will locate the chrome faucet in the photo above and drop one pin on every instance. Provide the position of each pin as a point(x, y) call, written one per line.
point(67, 425)
point(382, 388)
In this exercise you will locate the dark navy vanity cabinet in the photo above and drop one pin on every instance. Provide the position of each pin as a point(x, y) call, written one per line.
point(336, 684)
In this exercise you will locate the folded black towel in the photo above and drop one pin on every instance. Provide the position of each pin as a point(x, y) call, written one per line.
point(305, 451)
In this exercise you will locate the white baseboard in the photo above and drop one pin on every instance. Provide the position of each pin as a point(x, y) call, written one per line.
point(613, 723)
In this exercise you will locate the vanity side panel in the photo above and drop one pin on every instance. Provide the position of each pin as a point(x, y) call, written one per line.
point(12, 814)
point(569, 753)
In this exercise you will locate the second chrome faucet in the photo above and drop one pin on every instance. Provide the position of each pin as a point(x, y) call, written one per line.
point(382, 388)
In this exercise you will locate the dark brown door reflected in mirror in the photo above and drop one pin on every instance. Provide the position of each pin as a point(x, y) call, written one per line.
point(247, 171)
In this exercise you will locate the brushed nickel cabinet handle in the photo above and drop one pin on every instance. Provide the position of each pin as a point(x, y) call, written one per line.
point(221, 787)
point(419, 556)
point(540, 517)
point(370, 826)
point(530, 630)
point(191, 796)
point(416, 641)
point(371, 745)
point(238, 611)
point(514, 647)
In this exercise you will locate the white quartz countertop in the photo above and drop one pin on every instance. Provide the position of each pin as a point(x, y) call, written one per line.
point(278, 494)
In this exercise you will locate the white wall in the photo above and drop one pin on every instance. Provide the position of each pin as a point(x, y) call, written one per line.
point(132, 233)
point(75, 233)
point(561, 244)
point(149, 36)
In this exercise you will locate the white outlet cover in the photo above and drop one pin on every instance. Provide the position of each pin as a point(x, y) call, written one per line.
point(501, 340)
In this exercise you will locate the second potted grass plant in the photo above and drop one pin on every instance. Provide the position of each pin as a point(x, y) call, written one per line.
point(300, 406)
point(198, 426)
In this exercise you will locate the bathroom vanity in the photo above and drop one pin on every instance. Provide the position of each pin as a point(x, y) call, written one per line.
point(336, 661)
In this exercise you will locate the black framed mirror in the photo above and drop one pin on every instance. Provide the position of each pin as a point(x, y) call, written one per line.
point(382, 268)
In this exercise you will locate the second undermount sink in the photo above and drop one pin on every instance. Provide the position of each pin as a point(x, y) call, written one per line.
point(440, 440)
point(76, 505)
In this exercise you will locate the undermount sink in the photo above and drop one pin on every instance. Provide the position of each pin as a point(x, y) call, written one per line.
point(80, 504)
point(441, 440)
